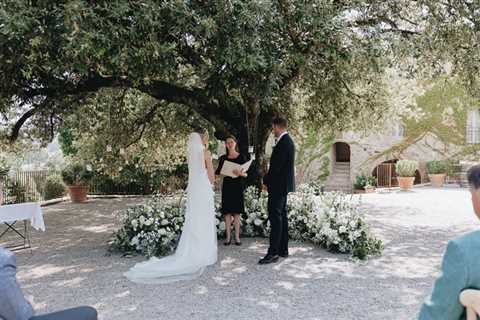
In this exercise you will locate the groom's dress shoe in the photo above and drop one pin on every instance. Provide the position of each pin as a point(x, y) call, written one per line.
point(284, 255)
point(268, 259)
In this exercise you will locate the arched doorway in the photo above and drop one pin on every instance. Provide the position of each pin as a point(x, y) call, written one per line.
point(341, 152)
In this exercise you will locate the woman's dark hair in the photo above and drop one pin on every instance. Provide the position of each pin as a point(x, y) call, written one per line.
point(234, 139)
point(473, 177)
point(280, 122)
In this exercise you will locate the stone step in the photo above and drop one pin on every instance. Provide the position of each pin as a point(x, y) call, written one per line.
point(346, 185)
point(337, 181)
point(346, 190)
point(334, 174)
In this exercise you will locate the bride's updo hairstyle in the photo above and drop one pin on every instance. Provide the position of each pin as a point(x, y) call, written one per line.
point(200, 130)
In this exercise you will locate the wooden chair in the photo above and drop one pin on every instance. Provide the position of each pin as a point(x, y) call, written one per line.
point(470, 299)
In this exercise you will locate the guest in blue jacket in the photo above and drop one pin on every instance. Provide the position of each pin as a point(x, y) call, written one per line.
point(14, 306)
point(460, 267)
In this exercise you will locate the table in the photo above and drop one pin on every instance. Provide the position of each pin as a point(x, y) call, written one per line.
point(13, 213)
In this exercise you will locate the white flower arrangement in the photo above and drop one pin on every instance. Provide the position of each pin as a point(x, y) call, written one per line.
point(150, 229)
point(332, 220)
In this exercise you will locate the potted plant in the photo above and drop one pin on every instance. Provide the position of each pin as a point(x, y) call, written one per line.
point(77, 177)
point(406, 173)
point(369, 188)
point(437, 171)
point(365, 183)
point(4, 169)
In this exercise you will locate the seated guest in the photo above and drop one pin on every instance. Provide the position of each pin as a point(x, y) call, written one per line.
point(14, 306)
point(460, 267)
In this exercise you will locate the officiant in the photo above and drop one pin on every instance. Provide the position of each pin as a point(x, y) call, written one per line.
point(232, 190)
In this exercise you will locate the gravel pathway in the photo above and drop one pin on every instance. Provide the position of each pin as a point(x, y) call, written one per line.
point(70, 266)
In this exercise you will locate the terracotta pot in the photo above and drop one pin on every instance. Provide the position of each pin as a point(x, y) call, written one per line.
point(78, 193)
point(370, 190)
point(437, 180)
point(405, 183)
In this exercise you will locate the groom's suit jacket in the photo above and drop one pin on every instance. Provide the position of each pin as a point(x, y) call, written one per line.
point(460, 270)
point(280, 178)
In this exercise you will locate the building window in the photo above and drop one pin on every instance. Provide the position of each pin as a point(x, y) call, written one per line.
point(473, 127)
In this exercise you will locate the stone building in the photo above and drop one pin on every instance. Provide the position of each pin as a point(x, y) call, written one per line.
point(354, 154)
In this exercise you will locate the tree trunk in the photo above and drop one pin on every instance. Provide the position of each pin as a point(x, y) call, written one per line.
point(253, 129)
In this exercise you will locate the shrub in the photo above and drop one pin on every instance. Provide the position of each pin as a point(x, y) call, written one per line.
point(437, 167)
point(362, 180)
point(54, 187)
point(406, 168)
point(77, 174)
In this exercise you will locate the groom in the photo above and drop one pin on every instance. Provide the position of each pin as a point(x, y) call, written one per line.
point(280, 180)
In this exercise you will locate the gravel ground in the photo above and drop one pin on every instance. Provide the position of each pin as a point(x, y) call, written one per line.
point(70, 266)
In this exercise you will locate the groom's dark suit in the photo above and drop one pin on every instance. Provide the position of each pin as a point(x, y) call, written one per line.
point(280, 180)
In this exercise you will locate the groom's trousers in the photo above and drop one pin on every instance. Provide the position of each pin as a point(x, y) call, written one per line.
point(277, 214)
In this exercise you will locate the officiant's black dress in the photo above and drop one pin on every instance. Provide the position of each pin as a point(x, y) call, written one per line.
point(232, 188)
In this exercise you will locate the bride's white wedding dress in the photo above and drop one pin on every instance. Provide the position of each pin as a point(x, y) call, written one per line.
point(197, 247)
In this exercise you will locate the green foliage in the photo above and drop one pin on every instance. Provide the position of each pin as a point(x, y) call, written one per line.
point(4, 166)
point(330, 220)
point(77, 174)
point(234, 64)
point(54, 187)
point(17, 192)
point(437, 167)
point(406, 168)
point(439, 113)
point(362, 180)
point(66, 140)
point(367, 246)
point(312, 159)
point(121, 135)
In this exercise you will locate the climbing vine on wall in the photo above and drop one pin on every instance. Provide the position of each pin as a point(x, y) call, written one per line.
point(441, 113)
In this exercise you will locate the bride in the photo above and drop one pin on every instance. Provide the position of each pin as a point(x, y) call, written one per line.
point(197, 247)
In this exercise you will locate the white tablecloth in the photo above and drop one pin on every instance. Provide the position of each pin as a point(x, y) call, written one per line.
point(23, 211)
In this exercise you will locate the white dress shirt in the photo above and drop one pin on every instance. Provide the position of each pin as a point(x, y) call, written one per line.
point(280, 137)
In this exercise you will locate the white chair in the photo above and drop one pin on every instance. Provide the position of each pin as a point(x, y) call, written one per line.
point(470, 299)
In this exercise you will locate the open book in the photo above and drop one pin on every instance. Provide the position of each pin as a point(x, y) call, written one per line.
point(229, 167)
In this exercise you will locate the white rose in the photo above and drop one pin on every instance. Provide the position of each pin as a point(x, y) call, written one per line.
point(257, 222)
point(109, 148)
point(88, 167)
point(134, 241)
point(134, 223)
point(149, 222)
point(164, 222)
point(222, 226)
point(342, 229)
point(162, 232)
point(142, 220)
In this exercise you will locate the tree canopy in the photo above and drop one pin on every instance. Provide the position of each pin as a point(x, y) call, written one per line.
point(235, 64)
